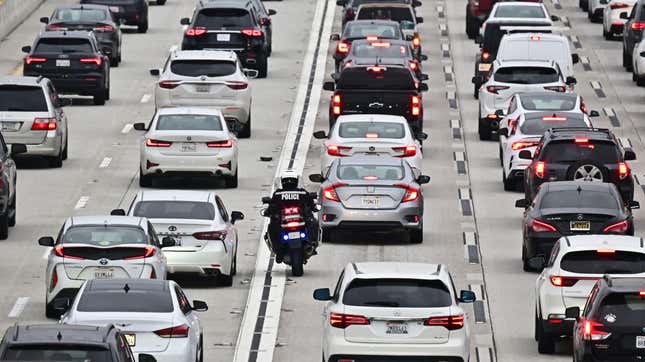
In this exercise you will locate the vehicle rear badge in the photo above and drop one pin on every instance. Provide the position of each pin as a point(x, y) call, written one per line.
point(203, 77)
point(103, 261)
point(371, 189)
point(580, 216)
point(172, 228)
point(376, 105)
point(396, 313)
point(372, 148)
point(611, 318)
point(188, 138)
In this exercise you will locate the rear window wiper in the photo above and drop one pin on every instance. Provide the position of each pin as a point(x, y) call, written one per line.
point(382, 303)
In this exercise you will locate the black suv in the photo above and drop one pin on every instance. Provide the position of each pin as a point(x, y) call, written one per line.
point(130, 12)
point(59, 342)
point(73, 61)
point(579, 154)
point(633, 31)
point(229, 25)
point(610, 327)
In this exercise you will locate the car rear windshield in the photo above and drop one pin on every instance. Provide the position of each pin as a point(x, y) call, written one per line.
point(493, 34)
point(604, 262)
point(175, 210)
point(88, 15)
point(526, 75)
point(371, 130)
point(132, 301)
point(209, 68)
point(361, 30)
point(550, 101)
point(520, 11)
point(63, 45)
point(623, 309)
point(18, 98)
point(569, 151)
point(379, 49)
point(105, 235)
point(376, 78)
point(360, 2)
point(189, 122)
point(397, 293)
point(370, 172)
point(582, 199)
point(53, 352)
point(539, 125)
point(385, 13)
point(223, 18)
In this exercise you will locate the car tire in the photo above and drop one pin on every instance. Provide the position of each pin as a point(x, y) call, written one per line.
point(225, 280)
point(231, 181)
point(145, 180)
point(50, 312)
point(472, 24)
point(99, 97)
point(326, 235)
point(535, 326)
point(142, 28)
point(245, 132)
point(65, 150)
point(262, 64)
point(485, 133)
point(56, 161)
point(607, 35)
point(627, 61)
point(572, 169)
point(476, 90)
point(525, 262)
point(583, 4)
point(107, 92)
point(416, 235)
point(200, 353)
point(12, 209)
point(640, 81)
point(234, 271)
point(546, 342)
point(114, 62)
point(161, 2)
point(509, 183)
point(4, 226)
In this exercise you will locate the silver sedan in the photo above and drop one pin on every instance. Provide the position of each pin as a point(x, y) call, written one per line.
point(376, 193)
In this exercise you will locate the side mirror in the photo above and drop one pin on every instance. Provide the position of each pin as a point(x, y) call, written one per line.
point(271, 12)
point(199, 306)
point(421, 136)
point(44, 20)
point(236, 215)
point(571, 81)
point(479, 39)
point(501, 113)
point(319, 135)
point(423, 57)
point(144, 357)
point(423, 179)
point(416, 3)
point(593, 113)
point(525, 155)
point(18, 148)
point(409, 37)
point(322, 294)
point(634, 205)
point(266, 199)
point(521, 203)
point(46, 241)
point(139, 126)
point(251, 73)
point(335, 37)
point(168, 241)
point(106, 50)
point(572, 312)
point(118, 212)
point(555, 18)
point(575, 58)
point(340, 2)
point(419, 19)
point(329, 86)
point(503, 131)
point(424, 77)
point(184, 21)
point(26, 49)
point(61, 305)
point(536, 263)
point(155, 72)
point(629, 155)
point(316, 177)
point(624, 15)
point(467, 296)
point(313, 195)
point(423, 87)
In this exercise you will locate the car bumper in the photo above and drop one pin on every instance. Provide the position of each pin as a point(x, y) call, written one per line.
point(334, 215)
point(49, 147)
point(221, 164)
point(205, 262)
point(558, 327)
point(82, 84)
point(178, 350)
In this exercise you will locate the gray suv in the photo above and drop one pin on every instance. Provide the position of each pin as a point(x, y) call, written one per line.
point(31, 113)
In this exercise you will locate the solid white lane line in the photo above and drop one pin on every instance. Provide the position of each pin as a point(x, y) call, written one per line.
point(106, 162)
point(82, 202)
point(145, 98)
point(126, 128)
point(18, 307)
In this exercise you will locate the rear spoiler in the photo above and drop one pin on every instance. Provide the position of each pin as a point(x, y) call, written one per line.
point(534, 29)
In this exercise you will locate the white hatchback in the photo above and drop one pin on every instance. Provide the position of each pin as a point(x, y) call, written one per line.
point(371, 134)
point(381, 309)
point(612, 22)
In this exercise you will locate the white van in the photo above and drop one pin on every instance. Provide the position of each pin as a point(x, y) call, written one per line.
point(538, 46)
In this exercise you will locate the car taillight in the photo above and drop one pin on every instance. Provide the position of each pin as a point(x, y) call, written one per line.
point(623, 170)
point(495, 88)
point(51, 27)
point(559, 281)
point(329, 192)
point(343, 321)
point(251, 32)
point(523, 144)
point(342, 47)
point(540, 169)
point(54, 281)
point(104, 29)
point(95, 60)
point(173, 332)
point(556, 88)
point(615, 6)
point(411, 193)
point(237, 85)
point(196, 31)
point(414, 65)
point(336, 103)
point(210, 235)
point(638, 25)
point(485, 56)
point(450, 322)
point(541, 227)
point(620, 227)
point(30, 60)
point(44, 124)
point(169, 84)
point(148, 251)
point(60, 251)
point(416, 105)
point(416, 41)
point(408, 151)
point(157, 143)
point(591, 331)
point(220, 144)
point(334, 150)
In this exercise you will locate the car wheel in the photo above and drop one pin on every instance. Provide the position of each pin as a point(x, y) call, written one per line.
point(583, 4)
point(142, 27)
point(65, 153)
point(225, 280)
point(145, 180)
point(114, 62)
point(607, 35)
point(245, 132)
point(4, 226)
point(640, 81)
point(200, 351)
point(525, 261)
point(485, 133)
point(234, 271)
point(262, 64)
point(416, 235)
point(326, 235)
point(627, 60)
point(509, 183)
point(99, 97)
point(56, 161)
point(587, 170)
point(546, 342)
point(535, 326)
point(12, 211)
point(231, 181)
point(50, 312)
point(476, 90)
point(161, 2)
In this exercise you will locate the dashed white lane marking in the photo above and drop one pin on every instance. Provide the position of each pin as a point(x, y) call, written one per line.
point(608, 111)
point(46, 253)
point(595, 84)
point(126, 128)
point(464, 193)
point(454, 123)
point(106, 162)
point(82, 202)
point(145, 98)
point(18, 307)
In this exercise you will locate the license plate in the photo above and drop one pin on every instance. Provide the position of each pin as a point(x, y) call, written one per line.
point(188, 147)
point(223, 37)
point(131, 339)
point(104, 273)
point(10, 126)
point(580, 225)
point(483, 67)
point(371, 201)
point(396, 328)
point(294, 235)
point(202, 88)
point(115, 9)
point(62, 62)
point(640, 341)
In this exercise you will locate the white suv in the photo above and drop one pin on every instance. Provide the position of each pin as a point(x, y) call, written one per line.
point(576, 262)
point(395, 309)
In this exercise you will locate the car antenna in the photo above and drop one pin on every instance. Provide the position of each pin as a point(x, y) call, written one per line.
point(126, 288)
point(579, 189)
point(59, 336)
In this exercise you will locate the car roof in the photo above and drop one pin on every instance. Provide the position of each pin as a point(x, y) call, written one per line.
point(152, 285)
point(235, 4)
point(567, 133)
point(391, 269)
point(574, 114)
point(81, 34)
point(529, 35)
point(371, 118)
point(106, 220)
point(549, 93)
point(176, 195)
point(371, 22)
point(574, 185)
point(384, 5)
point(525, 63)
point(370, 160)
point(594, 242)
point(188, 110)
point(204, 54)
point(516, 3)
point(83, 6)
point(624, 284)
point(13, 80)
point(58, 333)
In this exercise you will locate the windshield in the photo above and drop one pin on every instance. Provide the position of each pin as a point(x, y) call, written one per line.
point(18, 98)
point(105, 235)
point(209, 68)
point(370, 172)
point(519, 11)
point(526, 75)
point(52, 352)
point(379, 49)
point(383, 31)
point(88, 15)
point(223, 18)
point(549, 101)
point(189, 122)
point(397, 293)
point(580, 200)
point(603, 262)
point(570, 151)
point(175, 210)
point(63, 45)
point(386, 13)
point(539, 125)
point(371, 130)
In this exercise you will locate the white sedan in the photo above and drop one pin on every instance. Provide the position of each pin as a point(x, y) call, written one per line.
point(187, 141)
point(203, 230)
point(612, 22)
point(155, 316)
point(371, 134)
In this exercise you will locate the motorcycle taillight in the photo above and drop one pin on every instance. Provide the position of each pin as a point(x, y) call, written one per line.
point(293, 210)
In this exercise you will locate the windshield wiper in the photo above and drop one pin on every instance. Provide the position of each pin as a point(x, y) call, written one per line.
point(382, 303)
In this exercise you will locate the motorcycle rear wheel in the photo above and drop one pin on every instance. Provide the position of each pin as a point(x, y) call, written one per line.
point(296, 256)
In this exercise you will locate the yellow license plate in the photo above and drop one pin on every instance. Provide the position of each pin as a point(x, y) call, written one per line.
point(131, 339)
point(580, 225)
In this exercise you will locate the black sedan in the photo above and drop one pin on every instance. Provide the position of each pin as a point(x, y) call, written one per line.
point(96, 18)
point(130, 12)
point(569, 208)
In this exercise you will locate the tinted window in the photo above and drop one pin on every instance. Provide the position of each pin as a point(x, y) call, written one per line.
point(105, 236)
point(370, 172)
point(520, 11)
point(371, 130)
point(548, 102)
point(568, 151)
point(493, 34)
point(63, 45)
point(526, 75)
point(360, 2)
point(134, 301)
point(582, 199)
point(175, 210)
point(593, 262)
point(386, 13)
point(627, 308)
point(384, 31)
point(386, 79)
point(397, 293)
point(189, 122)
point(196, 68)
point(379, 49)
point(223, 18)
point(57, 353)
point(89, 15)
point(19, 98)
point(539, 125)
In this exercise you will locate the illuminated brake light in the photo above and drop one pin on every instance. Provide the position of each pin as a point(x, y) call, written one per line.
point(554, 119)
point(343, 321)
point(104, 29)
point(220, 144)
point(237, 85)
point(95, 60)
point(30, 60)
point(416, 41)
point(559, 281)
point(590, 331)
point(336, 104)
point(617, 228)
point(334, 150)
point(370, 178)
point(638, 25)
point(376, 69)
point(581, 140)
point(641, 293)
point(411, 193)
point(251, 32)
point(149, 251)
point(535, 37)
point(623, 170)
point(210, 235)
point(541, 227)
point(416, 106)
point(408, 151)
point(540, 169)
point(606, 251)
point(372, 38)
point(168, 84)
point(371, 135)
point(449, 322)
point(485, 56)
point(523, 144)
point(157, 143)
point(196, 31)
point(173, 332)
point(342, 47)
point(44, 124)
point(329, 192)
point(381, 44)
point(414, 65)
